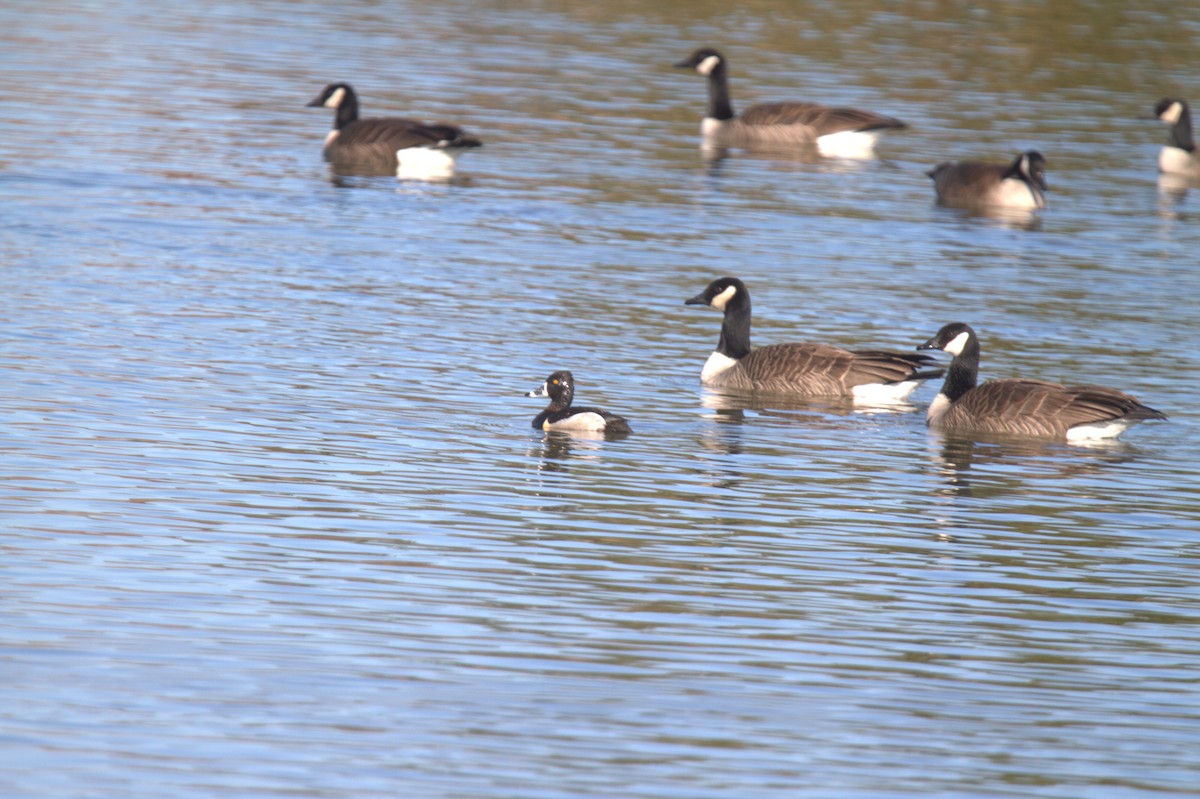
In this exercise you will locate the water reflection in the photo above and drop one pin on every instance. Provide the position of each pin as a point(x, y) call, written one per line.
point(768, 403)
point(802, 159)
point(981, 467)
point(1012, 218)
point(1172, 191)
point(558, 447)
point(726, 435)
point(798, 155)
point(349, 179)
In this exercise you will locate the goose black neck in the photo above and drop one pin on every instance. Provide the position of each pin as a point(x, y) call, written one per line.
point(735, 327)
point(719, 105)
point(347, 112)
point(963, 373)
point(1181, 132)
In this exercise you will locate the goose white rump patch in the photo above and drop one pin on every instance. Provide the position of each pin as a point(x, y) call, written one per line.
point(423, 163)
point(884, 393)
point(1102, 431)
point(848, 144)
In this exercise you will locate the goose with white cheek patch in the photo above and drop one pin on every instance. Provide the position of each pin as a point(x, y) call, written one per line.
point(407, 148)
point(1019, 185)
point(1020, 407)
point(559, 415)
point(838, 132)
point(807, 369)
point(1179, 156)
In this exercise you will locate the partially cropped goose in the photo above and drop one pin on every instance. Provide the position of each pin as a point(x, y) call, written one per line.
point(1023, 407)
point(1179, 156)
point(808, 370)
point(845, 132)
point(387, 145)
point(974, 184)
point(559, 415)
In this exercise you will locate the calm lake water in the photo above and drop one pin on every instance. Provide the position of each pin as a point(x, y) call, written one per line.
point(275, 523)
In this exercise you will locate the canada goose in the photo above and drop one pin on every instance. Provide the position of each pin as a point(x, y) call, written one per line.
point(387, 145)
point(845, 132)
point(1178, 157)
point(974, 184)
point(809, 370)
point(1017, 406)
point(559, 415)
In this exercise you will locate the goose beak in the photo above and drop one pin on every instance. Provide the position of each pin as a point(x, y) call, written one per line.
point(317, 102)
point(697, 300)
point(929, 345)
point(685, 64)
point(540, 391)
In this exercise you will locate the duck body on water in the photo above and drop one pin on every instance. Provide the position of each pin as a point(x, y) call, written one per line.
point(1179, 156)
point(1019, 185)
point(1020, 406)
point(560, 415)
point(400, 146)
point(801, 369)
point(833, 131)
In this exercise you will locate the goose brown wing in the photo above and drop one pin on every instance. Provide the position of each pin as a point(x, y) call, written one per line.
point(1023, 407)
point(1039, 408)
point(825, 370)
point(1092, 404)
point(808, 369)
point(375, 141)
point(882, 366)
point(812, 369)
point(966, 182)
point(368, 132)
point(822, 119)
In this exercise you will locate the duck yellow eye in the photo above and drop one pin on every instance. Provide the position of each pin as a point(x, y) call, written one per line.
point(555, 382)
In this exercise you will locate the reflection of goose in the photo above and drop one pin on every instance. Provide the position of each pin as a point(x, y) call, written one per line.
point(1178, 157)
point(979, 467)
point(1023, 407)
point(559, 415)
point(807, 370)
point(844, 132)
point(397, 146)
point(974, 184)
point(790, 406)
